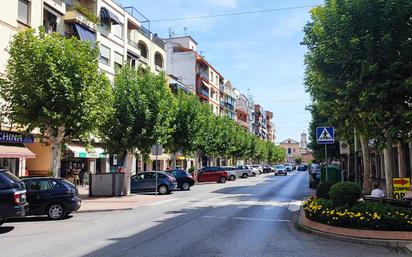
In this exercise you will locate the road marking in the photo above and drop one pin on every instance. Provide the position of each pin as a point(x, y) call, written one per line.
point(160, 202)
point(294, 206)
point(244, 218)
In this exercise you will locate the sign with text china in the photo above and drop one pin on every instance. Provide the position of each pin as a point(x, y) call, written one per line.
point(15, 137)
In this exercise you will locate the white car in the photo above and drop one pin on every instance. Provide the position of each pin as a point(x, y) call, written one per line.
point(231, 172)
point(257, 167)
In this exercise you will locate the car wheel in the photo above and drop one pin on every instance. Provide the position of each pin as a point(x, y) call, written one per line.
point(222, 180)
point(55, 211)
point(163, 189)
point(254, 174)
point(244, 175)
point(1, 222)
point(276, 174)
point(232, 178)
point(185, 186)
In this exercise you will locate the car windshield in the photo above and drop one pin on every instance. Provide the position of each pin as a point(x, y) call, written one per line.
point(11, 176)
point(315, 166)
point(279, 167)
point(286, 164)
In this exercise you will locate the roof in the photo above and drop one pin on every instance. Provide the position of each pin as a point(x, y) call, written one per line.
point(202, 59)
point(171, 38)
point(289, 141)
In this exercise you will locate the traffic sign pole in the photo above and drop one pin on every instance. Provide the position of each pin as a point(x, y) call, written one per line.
point(326, 160)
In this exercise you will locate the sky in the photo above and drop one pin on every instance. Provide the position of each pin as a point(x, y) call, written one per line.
point(259, 53)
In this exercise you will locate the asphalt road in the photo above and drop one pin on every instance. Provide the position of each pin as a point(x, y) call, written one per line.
point(247, 217)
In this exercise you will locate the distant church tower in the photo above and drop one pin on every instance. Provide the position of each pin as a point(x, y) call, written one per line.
point(303, 141)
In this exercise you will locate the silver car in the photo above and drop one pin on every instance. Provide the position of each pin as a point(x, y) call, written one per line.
point(231, 172)
point(280, 169)
point(257, 167)
point(243, 171)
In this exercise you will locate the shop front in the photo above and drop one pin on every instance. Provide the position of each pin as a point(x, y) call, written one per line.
point(14, 153)
point(78, 162)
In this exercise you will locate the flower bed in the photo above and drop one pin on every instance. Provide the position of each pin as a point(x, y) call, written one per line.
point(375, 216)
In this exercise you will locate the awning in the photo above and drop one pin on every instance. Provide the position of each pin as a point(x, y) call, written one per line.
point(85, 34)
point(82, 152)
point(163, 157)
point(7, 151)
point(106, 14)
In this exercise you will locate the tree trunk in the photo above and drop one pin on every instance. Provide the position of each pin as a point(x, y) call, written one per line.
point(56, 138)
point(367, 175)
point(128, 159)
point(388, 161)
point(173, 155)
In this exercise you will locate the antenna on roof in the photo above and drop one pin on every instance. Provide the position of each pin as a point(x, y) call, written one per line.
point(185, 29)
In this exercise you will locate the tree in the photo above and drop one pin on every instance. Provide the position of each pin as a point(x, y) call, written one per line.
point(54, 84)
point(187, 124)
point(359, 64)
point(142, 115)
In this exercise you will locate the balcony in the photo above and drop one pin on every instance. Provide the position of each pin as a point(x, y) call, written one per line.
point(73, 16)
point(242, 123)
point(203, 74)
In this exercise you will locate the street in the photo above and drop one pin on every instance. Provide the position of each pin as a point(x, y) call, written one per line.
point(247, 217)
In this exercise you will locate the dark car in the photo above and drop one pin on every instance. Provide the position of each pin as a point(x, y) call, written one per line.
point(54, 197)
point(302, 167)
point(146, 182)
point(183, 178)
point(267, 169)
point(212, 174)
point(314, 179)
point(12, 196)
point(314, 168)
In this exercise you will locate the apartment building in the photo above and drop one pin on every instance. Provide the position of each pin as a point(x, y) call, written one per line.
point(193, 70)
point(241, 109)
point(122, 39)
point(227, 100)
point(270, 127)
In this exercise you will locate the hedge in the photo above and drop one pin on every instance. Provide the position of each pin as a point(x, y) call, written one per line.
point(376, 216)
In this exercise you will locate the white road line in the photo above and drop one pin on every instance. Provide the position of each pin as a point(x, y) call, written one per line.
point(244, 218)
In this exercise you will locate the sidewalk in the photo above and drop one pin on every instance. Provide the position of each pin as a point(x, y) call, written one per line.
point(401, 239)
point(102, 204)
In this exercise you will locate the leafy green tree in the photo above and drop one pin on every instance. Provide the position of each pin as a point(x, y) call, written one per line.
point(142, 115)
point(54, 84)
point(359, 64)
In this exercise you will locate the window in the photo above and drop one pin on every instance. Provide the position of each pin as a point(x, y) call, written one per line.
point(159, 60)
point(104, 54)
point(143, 49)
point(289, 150)
point(117, 30)
point(105, 20)
point(23, 11)
point(118, 59)
point(36, 185)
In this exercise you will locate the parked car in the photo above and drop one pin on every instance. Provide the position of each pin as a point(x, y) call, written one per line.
point(280, 169)
point(257, 167)
point(314, 179)
point(184, 179)
point(302, 167)
point(146, 182)
point(244, 171)
point(54, 197)
point(212, 174)
point(314, 167)
point(12, 196)
point(288, 166)
point(231, 172)
point(267, 169)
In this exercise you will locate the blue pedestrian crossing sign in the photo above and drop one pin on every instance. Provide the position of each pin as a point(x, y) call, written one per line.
point(325, 135)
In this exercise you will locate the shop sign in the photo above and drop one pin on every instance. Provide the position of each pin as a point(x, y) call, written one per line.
point(401, 186)
point(15, 137)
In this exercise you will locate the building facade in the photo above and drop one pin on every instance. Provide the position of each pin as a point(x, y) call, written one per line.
point(292, 150)
point(241, 109)
point(122, 39)
point(227, 100)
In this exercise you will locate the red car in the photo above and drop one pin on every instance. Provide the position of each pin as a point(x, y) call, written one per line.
point(212, 174)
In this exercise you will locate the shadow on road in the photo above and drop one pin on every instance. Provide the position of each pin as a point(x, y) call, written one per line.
point(36, 219)
point(6, 229)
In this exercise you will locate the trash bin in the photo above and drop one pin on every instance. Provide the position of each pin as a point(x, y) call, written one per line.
point(334, 174)
point(106, 184)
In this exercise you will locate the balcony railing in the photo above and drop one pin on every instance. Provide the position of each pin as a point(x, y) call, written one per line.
point(203, 74)
point(73, 15)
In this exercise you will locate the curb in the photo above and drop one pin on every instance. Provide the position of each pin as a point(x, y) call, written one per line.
point(405, 245)
point(104, 210)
